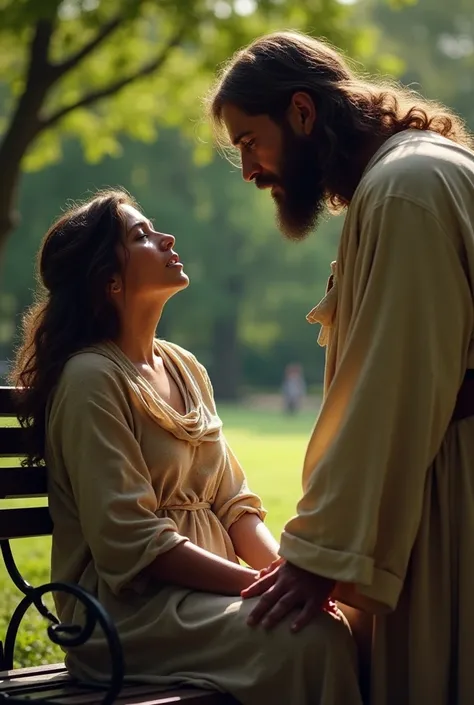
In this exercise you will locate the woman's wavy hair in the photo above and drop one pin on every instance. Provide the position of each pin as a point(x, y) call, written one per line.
point(261, 79)
point(77, 259)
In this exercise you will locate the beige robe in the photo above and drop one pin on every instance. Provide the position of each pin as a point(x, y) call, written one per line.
point(388, 504)
point(129, 479)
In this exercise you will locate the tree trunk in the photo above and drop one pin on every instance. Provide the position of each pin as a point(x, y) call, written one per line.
point(226, 362)
point(24, 127)
point(15, 144)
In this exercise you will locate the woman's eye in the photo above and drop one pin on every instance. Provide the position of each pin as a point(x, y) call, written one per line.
point(249, 145)
point(142, 235)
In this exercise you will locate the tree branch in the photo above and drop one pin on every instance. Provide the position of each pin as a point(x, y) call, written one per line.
point(39, 66)
point(105, 31)
point(116, 86)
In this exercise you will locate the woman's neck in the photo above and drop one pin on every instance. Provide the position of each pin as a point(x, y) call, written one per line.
point(136, 339)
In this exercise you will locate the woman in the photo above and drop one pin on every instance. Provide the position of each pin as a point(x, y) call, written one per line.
point(150, 507)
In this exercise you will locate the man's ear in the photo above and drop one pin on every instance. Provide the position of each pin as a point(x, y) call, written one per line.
point(302, 113)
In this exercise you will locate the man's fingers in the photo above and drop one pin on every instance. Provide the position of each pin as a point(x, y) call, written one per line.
point(259, 586)
point(282, 608)
point(264, 605)
point(307, 614)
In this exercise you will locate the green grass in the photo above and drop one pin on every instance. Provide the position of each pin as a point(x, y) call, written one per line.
point(269, 446)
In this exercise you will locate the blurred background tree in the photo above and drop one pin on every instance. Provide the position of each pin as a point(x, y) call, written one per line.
point(109, 93)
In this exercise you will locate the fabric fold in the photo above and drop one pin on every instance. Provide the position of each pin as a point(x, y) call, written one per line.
point(200, 423)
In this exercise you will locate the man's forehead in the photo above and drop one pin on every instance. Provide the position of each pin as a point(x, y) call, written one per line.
point(238, 124)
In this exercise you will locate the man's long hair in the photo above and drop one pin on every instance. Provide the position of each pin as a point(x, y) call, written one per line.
point(262, 78)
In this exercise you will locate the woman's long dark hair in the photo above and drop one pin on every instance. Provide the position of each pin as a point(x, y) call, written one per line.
point(262, 78)
point(77, 259)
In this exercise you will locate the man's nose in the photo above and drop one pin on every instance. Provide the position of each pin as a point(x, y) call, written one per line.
point(250, 170)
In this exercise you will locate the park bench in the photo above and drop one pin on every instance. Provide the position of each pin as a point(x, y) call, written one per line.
point(51, 683)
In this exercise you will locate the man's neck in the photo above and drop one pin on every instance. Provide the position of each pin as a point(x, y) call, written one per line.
point(350, 174)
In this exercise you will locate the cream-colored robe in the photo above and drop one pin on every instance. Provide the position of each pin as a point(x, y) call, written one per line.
point(388, 504)
point(130, 478)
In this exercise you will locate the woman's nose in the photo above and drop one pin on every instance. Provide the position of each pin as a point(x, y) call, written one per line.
point(167, 241)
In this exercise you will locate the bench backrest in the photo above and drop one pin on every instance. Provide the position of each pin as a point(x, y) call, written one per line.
point(17, 482)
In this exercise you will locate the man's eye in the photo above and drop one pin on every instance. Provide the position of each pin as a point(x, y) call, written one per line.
point(249, 145)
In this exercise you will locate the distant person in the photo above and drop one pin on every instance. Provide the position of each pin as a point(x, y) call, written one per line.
point(293, 388)
point(151, 508)
point(386, 522)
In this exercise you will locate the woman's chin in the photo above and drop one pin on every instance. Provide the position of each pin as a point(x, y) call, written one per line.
point(182, 281)
point(185, 280)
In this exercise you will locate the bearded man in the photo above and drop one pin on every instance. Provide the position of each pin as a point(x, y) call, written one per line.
point(386, 521)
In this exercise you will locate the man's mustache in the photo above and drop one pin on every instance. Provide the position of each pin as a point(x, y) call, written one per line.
point(266, 181)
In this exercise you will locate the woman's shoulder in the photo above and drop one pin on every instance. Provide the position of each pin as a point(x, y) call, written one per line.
point(89, 370)
point(89, 382)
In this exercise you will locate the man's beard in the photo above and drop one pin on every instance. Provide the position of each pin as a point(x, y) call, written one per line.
point(301, 192)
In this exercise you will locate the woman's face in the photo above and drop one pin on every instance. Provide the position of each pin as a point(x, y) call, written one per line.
point(150, 265)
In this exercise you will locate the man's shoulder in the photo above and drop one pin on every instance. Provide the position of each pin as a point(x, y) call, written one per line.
point(420, 166)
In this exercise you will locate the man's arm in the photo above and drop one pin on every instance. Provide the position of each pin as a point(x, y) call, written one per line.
point(402, 351)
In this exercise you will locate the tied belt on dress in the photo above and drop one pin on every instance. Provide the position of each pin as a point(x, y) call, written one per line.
point(189, 507)
point(465, 399)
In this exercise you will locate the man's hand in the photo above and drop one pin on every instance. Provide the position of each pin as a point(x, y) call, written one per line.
point(284, 589)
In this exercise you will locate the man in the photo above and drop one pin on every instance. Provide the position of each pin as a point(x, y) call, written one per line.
point(386, 521)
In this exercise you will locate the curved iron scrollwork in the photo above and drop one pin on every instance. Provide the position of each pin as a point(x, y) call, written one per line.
point(64, 635)
point(22, 585)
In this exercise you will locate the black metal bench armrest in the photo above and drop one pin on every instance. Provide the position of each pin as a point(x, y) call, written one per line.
point(64, 635)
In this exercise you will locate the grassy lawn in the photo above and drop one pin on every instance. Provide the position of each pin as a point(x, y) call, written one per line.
point(270, 447)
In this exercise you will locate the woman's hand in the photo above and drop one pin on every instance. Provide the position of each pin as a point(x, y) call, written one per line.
point(270, 568)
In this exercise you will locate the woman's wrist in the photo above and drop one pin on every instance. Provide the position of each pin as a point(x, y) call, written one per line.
point(248, 577)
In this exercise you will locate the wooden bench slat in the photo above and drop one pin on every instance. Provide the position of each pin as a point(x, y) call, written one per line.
point(25, 523)
point(72, 689)
point(7, 406)
point(62, 690)
point(70, 692)
point(33, 671)
point(54, 683)
point(188, 696)
point(12, 441)
point(45, 688)
point(153, 696)
point(23, 482)
point(34, 683)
